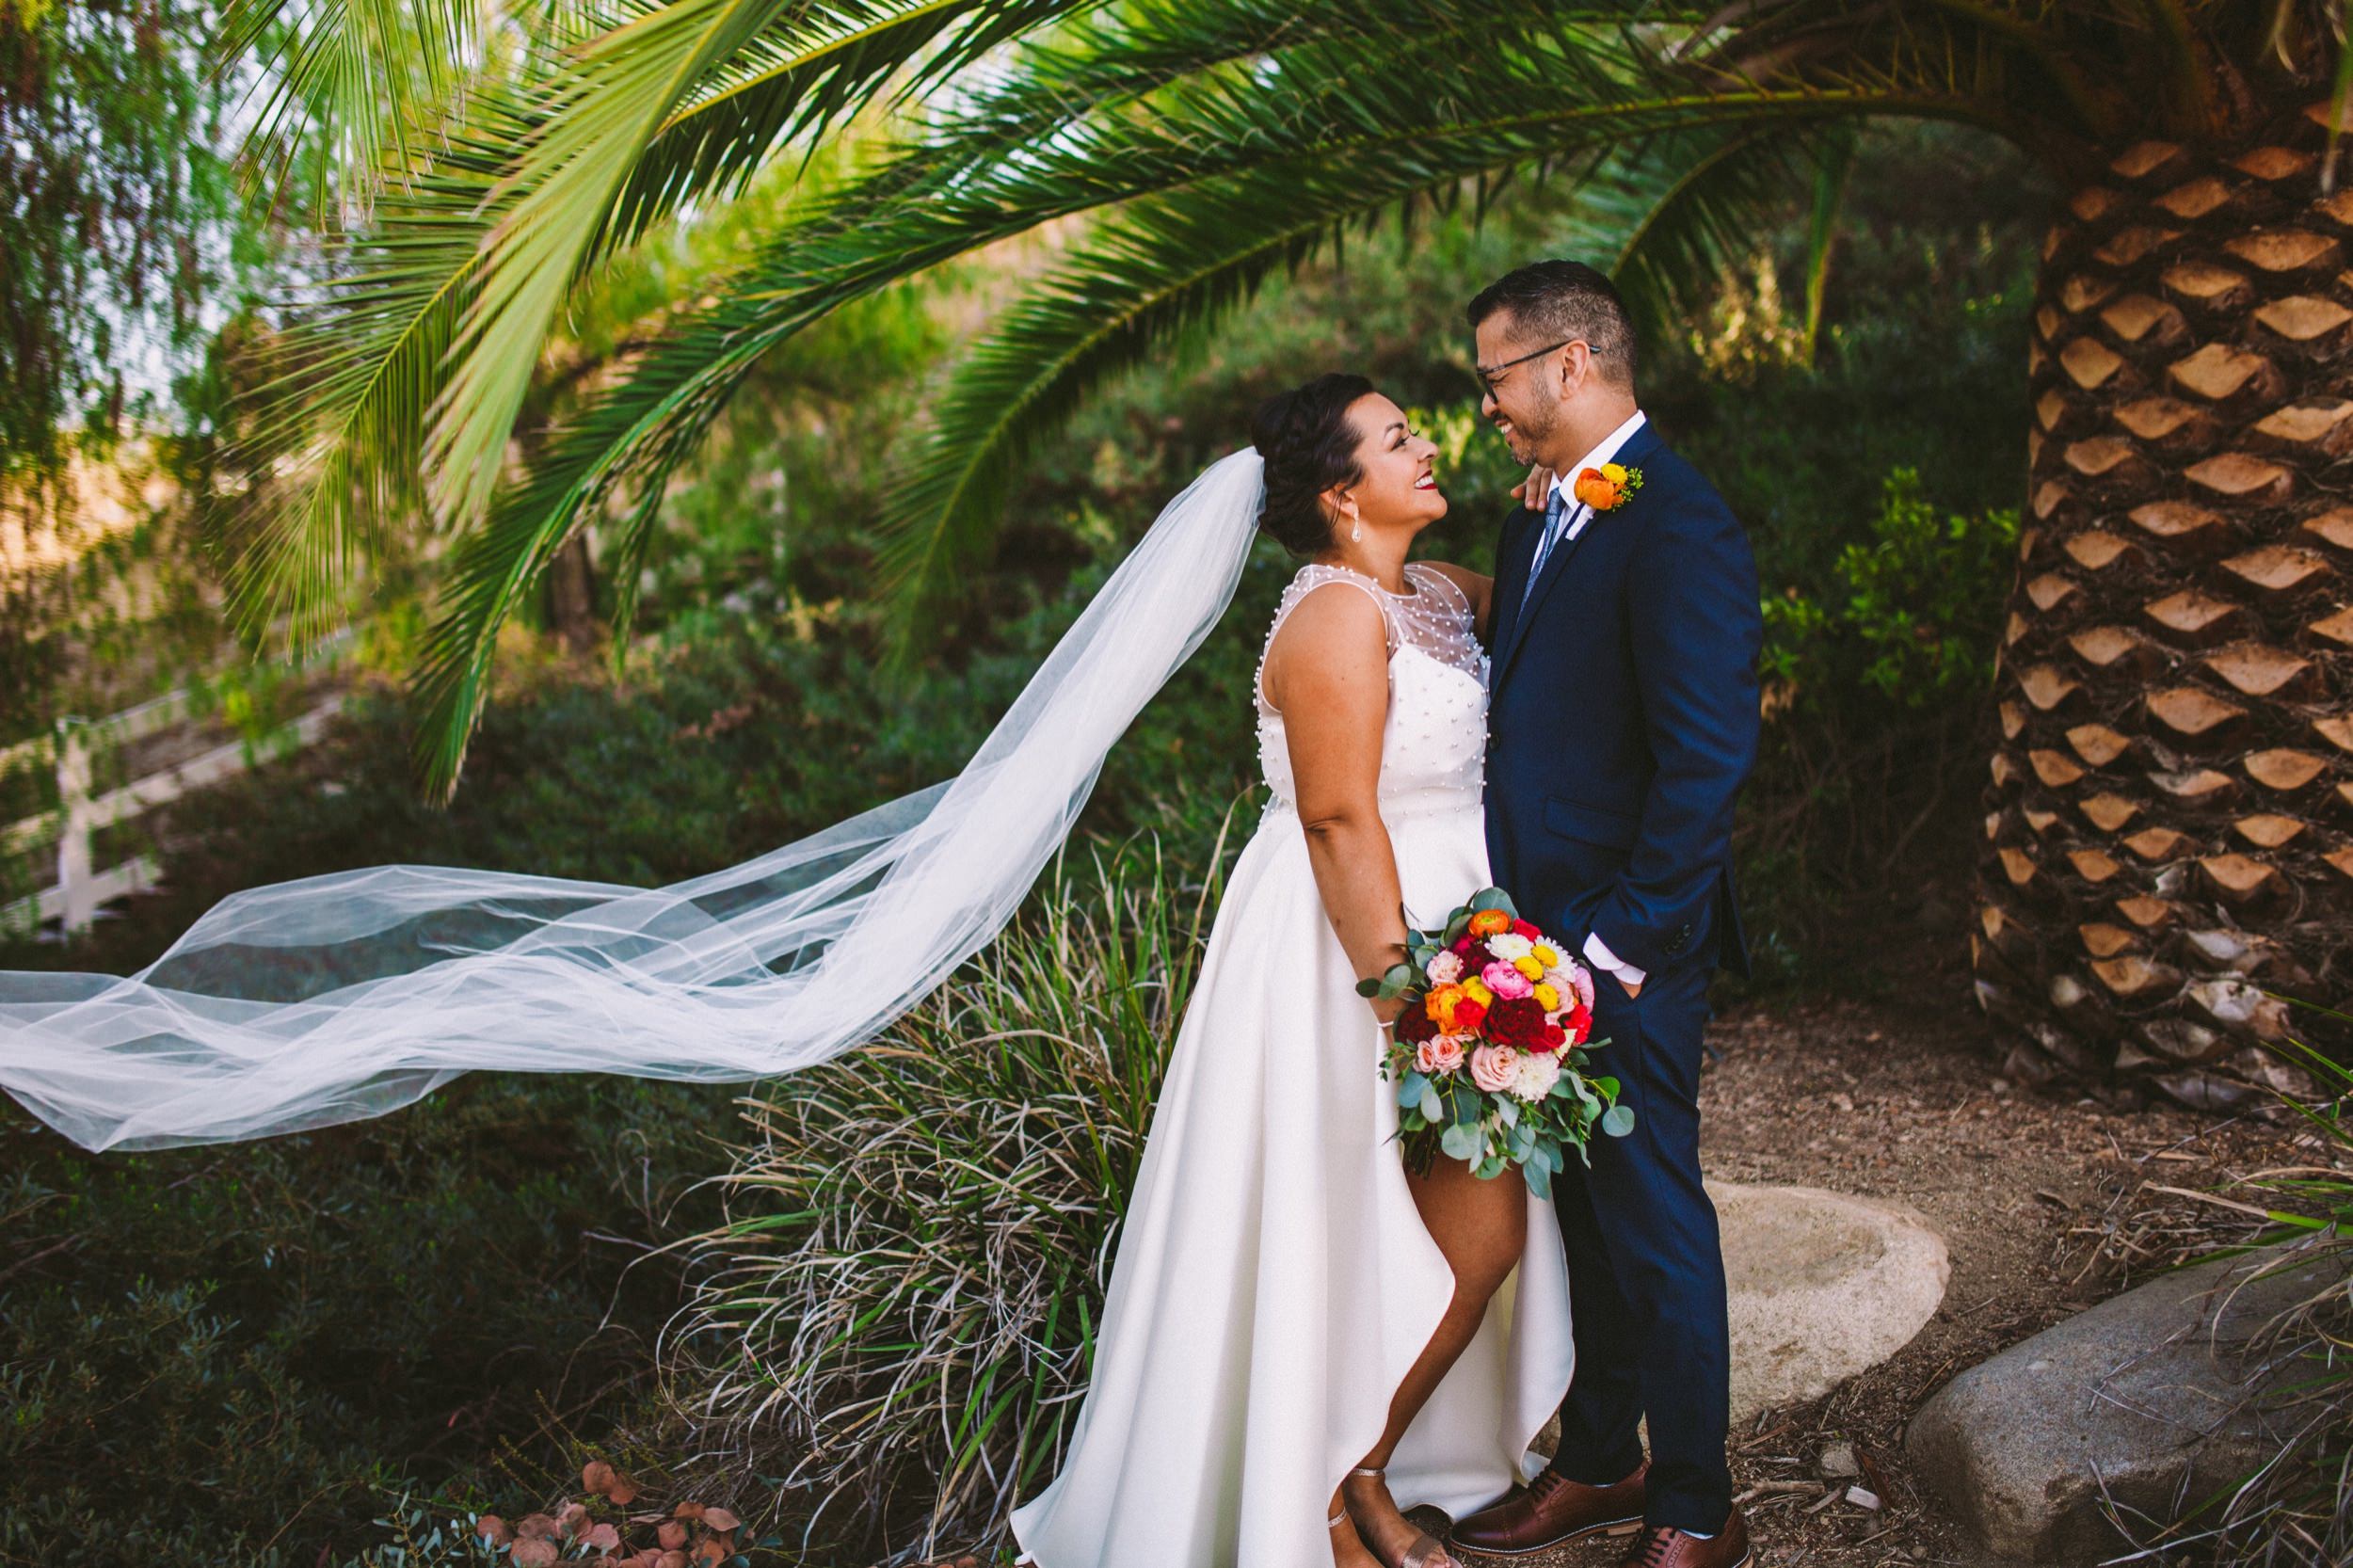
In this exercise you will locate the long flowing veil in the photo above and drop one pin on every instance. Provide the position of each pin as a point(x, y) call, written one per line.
point(345, 995)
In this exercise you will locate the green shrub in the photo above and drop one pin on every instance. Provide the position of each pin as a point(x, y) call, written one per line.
point(224, 1353)
point(1915, 614)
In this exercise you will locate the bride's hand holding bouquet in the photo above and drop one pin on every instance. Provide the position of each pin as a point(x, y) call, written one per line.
point(1490, 1052)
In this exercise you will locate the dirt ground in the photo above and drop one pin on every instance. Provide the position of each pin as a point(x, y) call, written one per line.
point(2045, 1200)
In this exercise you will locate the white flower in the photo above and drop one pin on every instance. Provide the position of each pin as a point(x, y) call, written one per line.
point(1535, 1076)
point(1572, 980)
point(1509, 946)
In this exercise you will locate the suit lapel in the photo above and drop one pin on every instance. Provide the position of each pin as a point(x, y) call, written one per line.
point(1638, 445)
point(1513, 557)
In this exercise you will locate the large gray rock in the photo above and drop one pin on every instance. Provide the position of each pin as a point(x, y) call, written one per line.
point(1823, 1285)
point(2143, 1395)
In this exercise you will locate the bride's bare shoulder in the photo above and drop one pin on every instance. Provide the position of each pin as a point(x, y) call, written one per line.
point(1332, 631)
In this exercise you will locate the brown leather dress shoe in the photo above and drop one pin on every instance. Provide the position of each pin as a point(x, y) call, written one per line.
point(1664, 1547)
point(1553, 1508)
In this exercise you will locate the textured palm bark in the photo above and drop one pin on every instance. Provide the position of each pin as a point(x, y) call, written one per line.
point(2169, 819)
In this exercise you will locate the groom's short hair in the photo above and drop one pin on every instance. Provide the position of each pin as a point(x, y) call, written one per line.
point(1555, 301)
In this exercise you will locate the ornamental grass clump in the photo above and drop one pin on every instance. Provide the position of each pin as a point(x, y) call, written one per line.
point(2297, 1510)
point(898, 1316)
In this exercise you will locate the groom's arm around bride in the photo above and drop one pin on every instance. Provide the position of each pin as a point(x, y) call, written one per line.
point(1624, 715)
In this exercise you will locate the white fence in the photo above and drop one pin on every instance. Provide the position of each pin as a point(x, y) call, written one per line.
point(83, 886)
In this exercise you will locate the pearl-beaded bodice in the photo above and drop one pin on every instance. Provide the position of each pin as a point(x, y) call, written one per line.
point(1434, 747)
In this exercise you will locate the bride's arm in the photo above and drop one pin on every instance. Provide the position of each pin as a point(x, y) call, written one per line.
point(1328, 674)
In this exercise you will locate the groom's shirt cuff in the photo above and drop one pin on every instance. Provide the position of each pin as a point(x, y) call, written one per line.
point(1598, 951)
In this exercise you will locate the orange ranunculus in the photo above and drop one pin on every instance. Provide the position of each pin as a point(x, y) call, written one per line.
point(1594, 488)
point(1490, 922)
point(1440, 1003)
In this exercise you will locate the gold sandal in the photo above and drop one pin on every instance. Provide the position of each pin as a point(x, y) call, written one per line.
point(1423, 1552)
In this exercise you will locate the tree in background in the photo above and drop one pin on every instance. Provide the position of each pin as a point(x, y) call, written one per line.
point(108, 186)
point(2166, 819)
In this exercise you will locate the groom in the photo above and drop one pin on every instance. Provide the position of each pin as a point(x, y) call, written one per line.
point(1623, 718)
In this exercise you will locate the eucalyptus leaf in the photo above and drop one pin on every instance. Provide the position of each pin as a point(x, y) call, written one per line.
point(1433, 1108)
point(1618, 1121)
point(1461, 1140)
point(1539, 1178)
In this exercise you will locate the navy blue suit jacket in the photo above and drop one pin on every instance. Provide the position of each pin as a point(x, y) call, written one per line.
point(1623, 719)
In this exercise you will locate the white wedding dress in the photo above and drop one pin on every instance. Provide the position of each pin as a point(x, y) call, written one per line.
point(1273, 1281)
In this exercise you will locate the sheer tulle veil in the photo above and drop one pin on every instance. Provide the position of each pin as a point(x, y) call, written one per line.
point(345, 995)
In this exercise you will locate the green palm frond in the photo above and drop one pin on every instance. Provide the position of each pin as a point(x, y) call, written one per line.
point(1166, 119)
point(344, 422)
point(557, 196)
point(376, 352)
point(344, 86)
point(1428, 117)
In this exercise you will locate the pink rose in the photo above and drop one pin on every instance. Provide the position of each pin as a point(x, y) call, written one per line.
point(1495, 1068)
point(1445, 969)
point(1441, 1055)
point(1505, 980)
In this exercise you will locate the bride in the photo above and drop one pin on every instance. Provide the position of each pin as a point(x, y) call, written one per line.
point(1298, 1335)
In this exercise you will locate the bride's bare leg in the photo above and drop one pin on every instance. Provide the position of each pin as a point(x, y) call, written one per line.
point(1481, 1227)
point(1348, 1547)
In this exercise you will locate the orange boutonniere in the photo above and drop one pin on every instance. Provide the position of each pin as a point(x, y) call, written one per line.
point(1604, 489)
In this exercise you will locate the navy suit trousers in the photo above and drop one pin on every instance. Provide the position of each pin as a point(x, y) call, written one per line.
point(1646, 1271)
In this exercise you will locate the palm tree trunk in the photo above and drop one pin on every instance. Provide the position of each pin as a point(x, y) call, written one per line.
point(2168, 820)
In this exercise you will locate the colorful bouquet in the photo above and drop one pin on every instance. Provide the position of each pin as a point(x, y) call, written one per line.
point(1488, 1056)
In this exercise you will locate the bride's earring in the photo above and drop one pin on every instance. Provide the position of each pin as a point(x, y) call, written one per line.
point(1356, 532)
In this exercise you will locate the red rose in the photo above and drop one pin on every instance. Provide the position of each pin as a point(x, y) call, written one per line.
point(1469, 1016)
point(1521, 928)
point(1580, 1024)
point(1517, 1022)
point(1415, 1024)
point(1555, 1037)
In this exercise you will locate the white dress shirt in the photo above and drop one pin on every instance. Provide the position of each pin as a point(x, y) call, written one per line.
point(1575, 520)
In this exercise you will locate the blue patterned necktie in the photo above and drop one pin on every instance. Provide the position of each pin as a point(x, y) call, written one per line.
point(1554, 513)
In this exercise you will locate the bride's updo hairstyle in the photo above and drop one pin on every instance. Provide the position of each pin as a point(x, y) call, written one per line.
point(1307, 444)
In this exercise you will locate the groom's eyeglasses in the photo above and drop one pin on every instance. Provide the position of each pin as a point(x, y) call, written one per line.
point(1491, 377)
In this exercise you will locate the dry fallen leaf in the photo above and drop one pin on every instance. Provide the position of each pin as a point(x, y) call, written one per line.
point(605, 1538)
point(671, 1560)
point(537, 1526)
point(596, 1475)
point(720, 1519)
point(671, 1534)
point(571, 1520)
point(535, 1552)
point(622, 1491)
point(687, 1510)
point(493, 1529)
